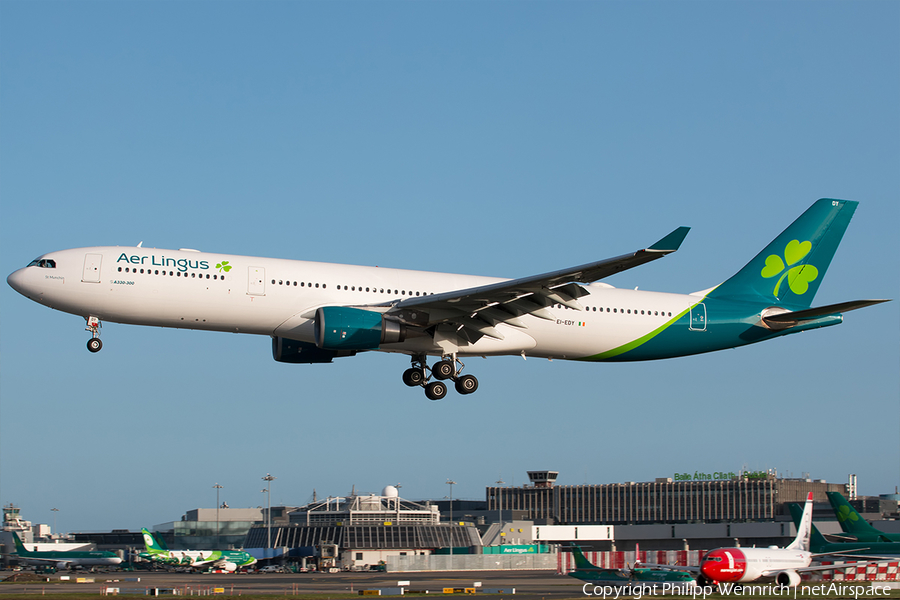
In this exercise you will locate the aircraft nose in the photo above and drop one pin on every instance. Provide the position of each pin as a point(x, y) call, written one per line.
point(16, 281)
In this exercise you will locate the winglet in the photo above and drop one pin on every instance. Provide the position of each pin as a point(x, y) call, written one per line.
point(671, 242)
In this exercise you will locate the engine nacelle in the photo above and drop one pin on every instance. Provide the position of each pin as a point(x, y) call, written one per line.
point(292, 351)
point(343, 328)
point(230, 567)
point(788, 578)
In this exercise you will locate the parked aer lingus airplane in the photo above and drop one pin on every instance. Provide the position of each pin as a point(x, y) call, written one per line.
point(64, 559)
point(227, 560)
point(316, 312)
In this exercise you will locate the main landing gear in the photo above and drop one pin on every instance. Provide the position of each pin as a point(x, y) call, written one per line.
point(446, 368)
point(93, 325)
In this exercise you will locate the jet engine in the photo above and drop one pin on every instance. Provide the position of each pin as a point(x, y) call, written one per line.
point(230, 567)
point(343, 328)
point(788, 578)
point(292, 351)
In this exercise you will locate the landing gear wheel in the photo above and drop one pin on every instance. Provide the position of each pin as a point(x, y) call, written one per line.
point(94, 344)
point(444, 369)
point(436, 390)
point(466, 384)
point(413, 376)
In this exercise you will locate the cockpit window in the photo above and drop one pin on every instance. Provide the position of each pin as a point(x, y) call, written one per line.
point(44, 263)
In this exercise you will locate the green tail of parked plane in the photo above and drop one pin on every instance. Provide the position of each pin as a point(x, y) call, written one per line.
point(227, 560)
point(586, 571)
point(64, 559)
point(855, 527)
point(819, 545)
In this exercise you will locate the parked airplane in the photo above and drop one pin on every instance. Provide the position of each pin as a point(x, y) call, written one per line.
point(781, 565)
point(64, 559)
point(590, 573)
point(855, 527)
point(227, 560)
point(316, 312)
point(819, 544)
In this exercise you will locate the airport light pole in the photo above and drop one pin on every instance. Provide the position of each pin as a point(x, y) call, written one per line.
point(54, 510)
point(218, 487)
point(500, 503)
point(268, 479)
point(451, 483)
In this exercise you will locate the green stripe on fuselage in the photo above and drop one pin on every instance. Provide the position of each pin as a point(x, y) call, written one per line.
point(728, 324)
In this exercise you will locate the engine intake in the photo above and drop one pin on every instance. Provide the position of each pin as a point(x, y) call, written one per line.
point(788, 578)
point(343, 328)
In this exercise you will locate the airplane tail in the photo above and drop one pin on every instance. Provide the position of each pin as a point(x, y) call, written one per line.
point(850, 520)
point(804, 527)
point(816, 539)
point(581, 561)
point(790, 269)
point(20, 547)
point(150, 543)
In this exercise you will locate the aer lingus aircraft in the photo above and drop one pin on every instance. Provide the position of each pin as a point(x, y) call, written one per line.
point(64, 559)
point(316, 312)
point(227, 560)
point(856, 529)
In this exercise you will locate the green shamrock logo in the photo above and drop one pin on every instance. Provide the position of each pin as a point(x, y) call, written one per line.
point(223, 266)
point(845, 514)
point(798, 277)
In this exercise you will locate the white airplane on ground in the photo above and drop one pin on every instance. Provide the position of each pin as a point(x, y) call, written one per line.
point(746, 565)
point(316, 312)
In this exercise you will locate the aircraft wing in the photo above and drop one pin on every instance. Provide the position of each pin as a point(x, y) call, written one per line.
point(773, 572)
point(476, 311)
point(54, 561)
point(644, 565)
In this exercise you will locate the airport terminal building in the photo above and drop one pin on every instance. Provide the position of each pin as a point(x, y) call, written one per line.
point(739, 498)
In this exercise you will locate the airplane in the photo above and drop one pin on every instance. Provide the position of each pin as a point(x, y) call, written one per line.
point(855, 527)
point(64, 559)
point(590, 573)
point(316, 312)
point(820, 544)
point(227, 560)
point(731, 566)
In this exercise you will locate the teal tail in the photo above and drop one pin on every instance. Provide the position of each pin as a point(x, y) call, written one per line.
point(852, 522)
point(581, 562)
point(20, 547)
point(790, 269)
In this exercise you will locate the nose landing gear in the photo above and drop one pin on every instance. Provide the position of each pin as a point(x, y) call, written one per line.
point(93, 325)
point(446, 368)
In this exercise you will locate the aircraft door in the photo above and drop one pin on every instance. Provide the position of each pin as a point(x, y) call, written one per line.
point(698, 317)
point(91, 272)
point(257, 281)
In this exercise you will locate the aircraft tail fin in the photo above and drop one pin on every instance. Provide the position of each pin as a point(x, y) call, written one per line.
point(20, 547)
point(816, 539)
point(581, 561)
point(790, 269)
point(150, 543)
point(804, 527)
point(851, 521)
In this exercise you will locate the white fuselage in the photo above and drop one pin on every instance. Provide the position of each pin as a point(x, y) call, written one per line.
point(743, 565)
point(278, 297)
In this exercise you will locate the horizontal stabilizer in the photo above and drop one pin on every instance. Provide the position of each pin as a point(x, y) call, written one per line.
point(815, 313)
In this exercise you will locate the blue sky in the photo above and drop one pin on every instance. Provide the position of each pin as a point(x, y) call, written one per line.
point(493, 138)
